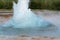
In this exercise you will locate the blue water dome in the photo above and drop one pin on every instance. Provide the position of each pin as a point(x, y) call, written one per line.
point(23, 17)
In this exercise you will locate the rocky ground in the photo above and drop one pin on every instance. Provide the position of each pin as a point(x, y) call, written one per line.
point(5, 37)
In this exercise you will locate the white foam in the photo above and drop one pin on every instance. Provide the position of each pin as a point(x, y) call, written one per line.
point(23, 17)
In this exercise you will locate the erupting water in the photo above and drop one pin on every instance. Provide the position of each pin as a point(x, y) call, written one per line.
point(23, 17)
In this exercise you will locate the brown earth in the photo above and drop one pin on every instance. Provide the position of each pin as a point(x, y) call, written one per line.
point(24, 37)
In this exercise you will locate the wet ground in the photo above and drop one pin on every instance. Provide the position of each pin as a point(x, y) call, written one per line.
point(51, 16)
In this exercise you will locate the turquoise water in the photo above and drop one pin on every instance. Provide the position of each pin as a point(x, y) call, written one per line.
point(47, 31)
point(32, 31)
point(44, 31)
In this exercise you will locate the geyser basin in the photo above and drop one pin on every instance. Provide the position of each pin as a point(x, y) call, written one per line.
point(23, 17)
point(35, 31)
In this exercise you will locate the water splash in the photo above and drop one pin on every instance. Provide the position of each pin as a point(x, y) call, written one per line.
point(23, 17)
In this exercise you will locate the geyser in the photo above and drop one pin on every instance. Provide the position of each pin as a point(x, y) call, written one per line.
point(23, 17)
